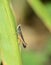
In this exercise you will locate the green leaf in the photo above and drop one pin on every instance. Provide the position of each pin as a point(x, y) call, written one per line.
point(41, 10)
point(9, 50)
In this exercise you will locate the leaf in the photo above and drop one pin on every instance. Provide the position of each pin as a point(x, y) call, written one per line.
point(9, 50)
point(41, 10)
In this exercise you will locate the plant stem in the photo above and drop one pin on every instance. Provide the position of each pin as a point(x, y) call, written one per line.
point(9, 50)
point(41, 11)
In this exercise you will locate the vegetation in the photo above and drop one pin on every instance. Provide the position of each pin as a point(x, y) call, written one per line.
point(9, 50)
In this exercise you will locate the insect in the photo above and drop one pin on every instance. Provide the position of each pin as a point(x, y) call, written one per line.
point(20, 36)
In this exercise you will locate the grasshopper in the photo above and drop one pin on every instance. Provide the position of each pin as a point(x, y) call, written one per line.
point(20, 36)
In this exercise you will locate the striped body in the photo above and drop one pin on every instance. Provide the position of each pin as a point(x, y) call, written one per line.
point(20, 36)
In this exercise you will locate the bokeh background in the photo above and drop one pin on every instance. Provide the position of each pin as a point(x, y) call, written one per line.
point(36, 34)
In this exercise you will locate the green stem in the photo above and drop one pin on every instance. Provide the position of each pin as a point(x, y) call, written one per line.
point(41, 11)
point(10, 53)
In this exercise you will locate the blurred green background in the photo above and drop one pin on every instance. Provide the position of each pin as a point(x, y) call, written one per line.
point(35, 19)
